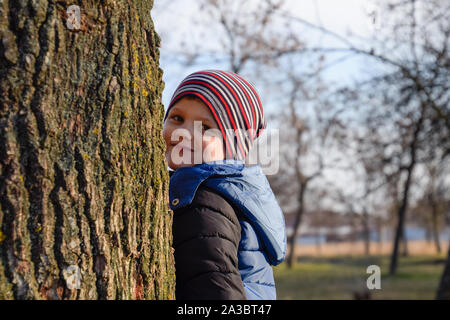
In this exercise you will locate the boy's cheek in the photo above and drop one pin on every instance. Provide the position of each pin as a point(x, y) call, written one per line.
point(214, 150)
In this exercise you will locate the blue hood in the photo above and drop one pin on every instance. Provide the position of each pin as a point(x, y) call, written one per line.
point(246, 187)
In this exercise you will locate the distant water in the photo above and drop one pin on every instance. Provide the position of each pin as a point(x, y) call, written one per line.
point(412, 234)
point(416, 233)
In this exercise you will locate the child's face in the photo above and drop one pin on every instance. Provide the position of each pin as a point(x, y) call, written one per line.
point(188, 142)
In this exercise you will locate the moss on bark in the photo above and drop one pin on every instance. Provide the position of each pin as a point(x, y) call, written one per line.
point(83, 179)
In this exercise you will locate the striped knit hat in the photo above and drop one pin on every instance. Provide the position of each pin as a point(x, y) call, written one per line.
point(234, 103)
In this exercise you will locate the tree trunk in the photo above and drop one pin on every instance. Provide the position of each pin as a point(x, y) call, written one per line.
point(318, 241)
point(298, 218)
point(366, 231)
point(83, 179)
point(401, 221)
point(444, 286)
point(404, 205)
point(434, 213)
point(380, 238)
point(404, 242)
point(427, 233)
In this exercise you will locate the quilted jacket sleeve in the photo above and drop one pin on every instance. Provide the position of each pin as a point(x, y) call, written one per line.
point(206, 237)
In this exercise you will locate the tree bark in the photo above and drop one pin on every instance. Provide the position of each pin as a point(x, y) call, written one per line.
point(404, 242)
point(83, 179)
point(401, 213)
point(366, 232)
point(444, 286)
point(298, 218)
point(435, 227)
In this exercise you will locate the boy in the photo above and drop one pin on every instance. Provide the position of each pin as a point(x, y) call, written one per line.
point(228, 228)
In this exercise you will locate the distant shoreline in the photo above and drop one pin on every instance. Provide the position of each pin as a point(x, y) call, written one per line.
point(415, 247)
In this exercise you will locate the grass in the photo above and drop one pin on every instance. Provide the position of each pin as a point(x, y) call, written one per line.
point(339, 277)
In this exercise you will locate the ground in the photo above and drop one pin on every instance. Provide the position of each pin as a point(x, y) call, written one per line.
point(340, 276)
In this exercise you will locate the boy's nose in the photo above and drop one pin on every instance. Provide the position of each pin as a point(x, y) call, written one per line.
point(194, 128)
point(189, 133)
point(181, 134)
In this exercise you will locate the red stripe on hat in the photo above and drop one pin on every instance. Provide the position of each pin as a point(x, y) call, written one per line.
point(259, 101)
point(249, 99)
point(234, 94)
point(253, 90)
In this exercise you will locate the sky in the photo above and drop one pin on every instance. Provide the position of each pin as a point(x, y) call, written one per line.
point(173, 22)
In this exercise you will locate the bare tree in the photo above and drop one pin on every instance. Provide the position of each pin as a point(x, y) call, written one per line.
point(241, 35)
point(303, 138)
point(406, 103)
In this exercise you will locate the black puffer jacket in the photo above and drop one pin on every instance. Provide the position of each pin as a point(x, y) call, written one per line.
point(206, 240)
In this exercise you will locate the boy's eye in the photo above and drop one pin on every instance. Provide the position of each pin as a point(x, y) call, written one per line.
point(177, 118)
